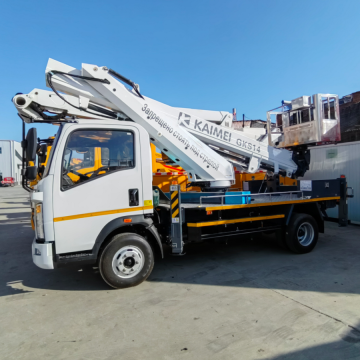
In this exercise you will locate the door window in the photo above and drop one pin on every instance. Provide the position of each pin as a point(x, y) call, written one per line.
point(329, 108)
point(90, 154)
point(293, 118)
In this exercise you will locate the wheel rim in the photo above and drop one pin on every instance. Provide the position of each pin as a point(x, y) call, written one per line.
point(128, 262)
point(305, 234)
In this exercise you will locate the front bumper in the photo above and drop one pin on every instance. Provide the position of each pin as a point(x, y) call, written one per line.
point(42, 255)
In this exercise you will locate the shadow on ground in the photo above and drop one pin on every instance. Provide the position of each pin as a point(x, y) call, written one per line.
point(347, 347)
point(248, 263)
point(332, 267)
point(25, 203)
point(16, 236)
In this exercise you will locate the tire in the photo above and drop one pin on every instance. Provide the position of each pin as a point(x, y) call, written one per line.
point(302, 233)
point(126, 261)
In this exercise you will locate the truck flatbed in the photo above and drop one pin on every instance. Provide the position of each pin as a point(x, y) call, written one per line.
point(255, 200)
point(205, 216)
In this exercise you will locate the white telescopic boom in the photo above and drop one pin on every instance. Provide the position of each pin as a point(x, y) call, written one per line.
point(191, 138)
point(225, 139)
point(202, 164)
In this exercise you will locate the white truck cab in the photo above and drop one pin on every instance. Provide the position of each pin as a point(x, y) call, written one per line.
point(72, 207)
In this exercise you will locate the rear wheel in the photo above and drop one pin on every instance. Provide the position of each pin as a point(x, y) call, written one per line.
point(302, 233)
point(126, 261)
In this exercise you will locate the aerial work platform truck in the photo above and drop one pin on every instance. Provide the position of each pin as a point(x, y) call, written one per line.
point(95, 202)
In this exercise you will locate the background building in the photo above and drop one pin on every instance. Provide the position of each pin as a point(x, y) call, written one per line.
point(350, 117)
point(331, 161)
point(10, 160)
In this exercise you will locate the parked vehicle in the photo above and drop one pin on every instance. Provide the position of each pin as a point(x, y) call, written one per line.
point(8, 181)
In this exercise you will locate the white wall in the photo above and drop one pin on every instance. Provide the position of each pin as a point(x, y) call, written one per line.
point(331, 161)
point(17, 161)
point(6, 168)
point(10, 163)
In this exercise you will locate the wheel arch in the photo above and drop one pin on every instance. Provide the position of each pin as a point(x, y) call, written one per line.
point(139, 225)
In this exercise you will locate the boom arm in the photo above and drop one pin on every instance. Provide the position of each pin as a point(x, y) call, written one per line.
point(186, 137)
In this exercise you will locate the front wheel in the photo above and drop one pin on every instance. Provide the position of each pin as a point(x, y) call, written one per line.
point(126, 261)
point(302, 233)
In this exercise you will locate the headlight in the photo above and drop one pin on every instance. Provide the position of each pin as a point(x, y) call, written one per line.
point(39, 223)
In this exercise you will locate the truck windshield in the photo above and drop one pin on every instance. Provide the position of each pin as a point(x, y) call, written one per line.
point(46, 172)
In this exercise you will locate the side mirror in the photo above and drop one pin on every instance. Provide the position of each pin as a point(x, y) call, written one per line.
point(31, 145)
point(31, 172)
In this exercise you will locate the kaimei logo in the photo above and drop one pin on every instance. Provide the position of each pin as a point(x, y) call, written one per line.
point(204, 127)
point(216, 131)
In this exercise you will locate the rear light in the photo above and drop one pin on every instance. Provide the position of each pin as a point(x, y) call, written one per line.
point(39, 222)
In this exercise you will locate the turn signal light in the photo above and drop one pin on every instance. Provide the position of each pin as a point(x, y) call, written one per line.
point(174, 182)
point(127, 220)
point(208, 212)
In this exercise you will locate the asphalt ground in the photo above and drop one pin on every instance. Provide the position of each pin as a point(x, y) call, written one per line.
point(245, 300)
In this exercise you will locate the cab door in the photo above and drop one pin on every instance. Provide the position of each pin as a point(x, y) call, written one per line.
point(97, 179)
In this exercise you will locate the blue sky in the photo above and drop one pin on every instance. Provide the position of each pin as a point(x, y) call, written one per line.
point(199, 54)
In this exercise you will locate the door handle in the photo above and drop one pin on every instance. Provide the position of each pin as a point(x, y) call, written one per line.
point(133, 197)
